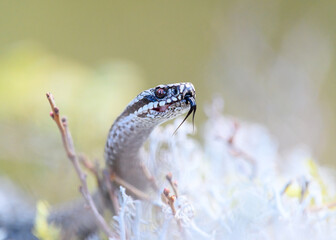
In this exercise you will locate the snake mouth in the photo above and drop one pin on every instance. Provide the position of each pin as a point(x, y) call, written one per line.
point(162, 108)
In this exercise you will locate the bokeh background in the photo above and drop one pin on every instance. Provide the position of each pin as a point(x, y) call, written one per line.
point(271, 61)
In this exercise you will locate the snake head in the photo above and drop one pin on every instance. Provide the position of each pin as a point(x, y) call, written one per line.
point(165, 102)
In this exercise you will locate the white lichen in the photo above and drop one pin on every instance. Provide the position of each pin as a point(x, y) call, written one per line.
point(243, 189)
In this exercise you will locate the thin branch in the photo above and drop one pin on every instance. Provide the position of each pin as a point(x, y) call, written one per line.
point(93, 168)
point(140, 194)
point(170, 200)
point(169, 177)
point(150, 177)
point(110, 190)
point(330, 205)
point(70, 150)
point(237, 152)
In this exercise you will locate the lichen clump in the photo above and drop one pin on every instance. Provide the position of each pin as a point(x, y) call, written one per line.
point(233, 184)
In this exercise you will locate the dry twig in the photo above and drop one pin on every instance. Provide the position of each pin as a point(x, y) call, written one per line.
point(86, 163)
point(150, 177)
point(169, 177)
point(170, 200)
point(140, 194)
point(330, 205)
point(70, 150)
point(237, 152)
point(110, 190)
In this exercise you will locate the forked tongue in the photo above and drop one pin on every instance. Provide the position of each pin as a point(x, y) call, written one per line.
point(191, 110)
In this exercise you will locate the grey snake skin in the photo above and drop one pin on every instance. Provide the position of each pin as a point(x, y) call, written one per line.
point(122, 154)
point(131, 129)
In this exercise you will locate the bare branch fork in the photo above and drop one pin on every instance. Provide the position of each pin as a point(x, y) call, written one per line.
point(170, 199)
point(62, 125)
point(237, 152)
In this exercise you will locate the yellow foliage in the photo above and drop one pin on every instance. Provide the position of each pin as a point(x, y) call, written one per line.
point(43, 230)
point(314, 172)
point(294, 190)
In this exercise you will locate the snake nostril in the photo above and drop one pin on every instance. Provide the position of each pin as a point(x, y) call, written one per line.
point(175, 91)
point(188, 93)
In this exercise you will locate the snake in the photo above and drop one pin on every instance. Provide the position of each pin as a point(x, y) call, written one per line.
point(125, 140)
point(131, 129)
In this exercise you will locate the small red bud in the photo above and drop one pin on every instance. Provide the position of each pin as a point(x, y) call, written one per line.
point(166, 192)
point(51, 115)
point(56, 110)
point(169, 176)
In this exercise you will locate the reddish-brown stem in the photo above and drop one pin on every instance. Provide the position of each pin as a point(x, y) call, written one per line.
point(150, 177)
point(325, 206)
point(110, 190)
point(237, 152)
point(70, 150)
point(170, 200)
point(140, 194)
point(89, 166)
point(169, 178)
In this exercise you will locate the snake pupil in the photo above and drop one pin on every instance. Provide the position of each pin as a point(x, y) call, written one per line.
point(160, 92)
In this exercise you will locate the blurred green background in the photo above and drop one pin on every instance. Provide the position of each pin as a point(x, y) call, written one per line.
point(271, 61)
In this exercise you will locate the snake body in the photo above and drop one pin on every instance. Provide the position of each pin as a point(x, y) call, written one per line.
point(122, 154)
point(131, 129)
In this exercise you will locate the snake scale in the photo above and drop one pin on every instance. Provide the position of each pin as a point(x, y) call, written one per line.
point(131, 129)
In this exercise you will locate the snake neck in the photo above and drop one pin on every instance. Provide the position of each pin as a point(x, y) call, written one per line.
point(131, 129)
point(126, 137)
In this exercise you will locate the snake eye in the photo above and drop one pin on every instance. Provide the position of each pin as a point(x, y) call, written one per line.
point(160, 92)
point(174, 91)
